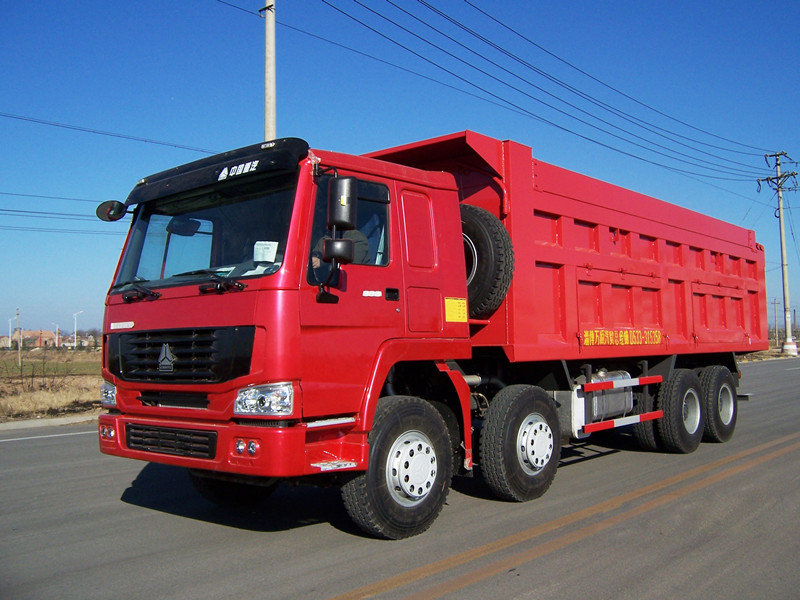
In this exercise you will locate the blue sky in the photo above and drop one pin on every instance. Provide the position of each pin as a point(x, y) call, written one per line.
point(190, 74)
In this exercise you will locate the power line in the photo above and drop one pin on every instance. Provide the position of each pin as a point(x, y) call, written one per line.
point(727, 170)
point(73, 231)
point(245, 10)
point(35, 214)
point(505, 103)
point(401, 68)
point(378, 59)
point(501, 102)
point(101, 132)
point(621, 93)
point(373, 57)
point(647, 126)
point(791, 229)
point(516, 106)
point(49, 197)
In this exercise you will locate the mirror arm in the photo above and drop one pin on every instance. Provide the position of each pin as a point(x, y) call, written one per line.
point(323, 295)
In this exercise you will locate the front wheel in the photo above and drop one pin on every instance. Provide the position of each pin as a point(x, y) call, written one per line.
point(410, 466)
point(520, 443)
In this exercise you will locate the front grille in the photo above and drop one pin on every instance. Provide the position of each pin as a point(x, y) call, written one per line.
point(205, 355)
point(167, 440)
point(173, 400)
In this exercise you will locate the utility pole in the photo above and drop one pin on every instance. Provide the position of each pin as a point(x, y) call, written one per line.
point(270, 93)
point(75, 332)
point(775, 310)
point(777, 183)
point(19, 345)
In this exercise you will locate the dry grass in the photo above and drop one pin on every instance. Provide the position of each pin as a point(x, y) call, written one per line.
point(50, 383)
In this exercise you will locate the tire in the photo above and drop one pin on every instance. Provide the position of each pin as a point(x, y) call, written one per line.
point(680, 397)
point(520, 443)
point(231, 493)
point(645, 432)
point(410, 467)
point(719, 401)
point(489, 259)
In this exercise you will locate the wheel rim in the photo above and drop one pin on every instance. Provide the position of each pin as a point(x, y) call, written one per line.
point(411, 468)
point(691, 411)
point(534, 443)
point(725, 405)
point(471, 257)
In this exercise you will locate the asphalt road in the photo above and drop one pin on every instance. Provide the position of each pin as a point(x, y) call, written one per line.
point(723, 522)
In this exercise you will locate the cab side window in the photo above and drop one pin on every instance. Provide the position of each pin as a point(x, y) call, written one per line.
point(371, 236)
point(373, 220)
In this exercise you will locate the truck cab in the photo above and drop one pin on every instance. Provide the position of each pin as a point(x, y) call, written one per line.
point(263, 298)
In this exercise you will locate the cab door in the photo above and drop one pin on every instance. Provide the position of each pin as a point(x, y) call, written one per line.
point(343, 327)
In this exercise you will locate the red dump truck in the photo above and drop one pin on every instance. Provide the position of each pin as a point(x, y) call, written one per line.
point(384, 322)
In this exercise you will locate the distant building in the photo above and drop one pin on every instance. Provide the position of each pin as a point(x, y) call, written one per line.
point(36, 338)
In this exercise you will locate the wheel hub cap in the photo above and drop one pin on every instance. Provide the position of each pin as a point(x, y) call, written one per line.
point(534, 443)
point(691, 411)
point(411, 468)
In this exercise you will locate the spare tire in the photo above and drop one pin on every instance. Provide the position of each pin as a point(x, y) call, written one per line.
point(489, 259)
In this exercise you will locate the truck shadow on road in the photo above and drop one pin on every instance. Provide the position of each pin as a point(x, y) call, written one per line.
point(167, 489)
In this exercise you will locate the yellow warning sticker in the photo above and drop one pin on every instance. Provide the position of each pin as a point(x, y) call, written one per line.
point(455, 310)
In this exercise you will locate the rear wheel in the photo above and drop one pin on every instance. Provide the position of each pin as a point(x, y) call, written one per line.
point(520, 443)
point(645, 432)
point(680, 397)
point(410, 466)
point(719, 396)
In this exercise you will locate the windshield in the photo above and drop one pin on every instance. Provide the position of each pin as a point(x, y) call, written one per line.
point(233, 230)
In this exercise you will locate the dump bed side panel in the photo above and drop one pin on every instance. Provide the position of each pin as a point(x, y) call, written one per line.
point(605, 271)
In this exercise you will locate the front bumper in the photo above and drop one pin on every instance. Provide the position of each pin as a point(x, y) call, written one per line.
point(294, 450)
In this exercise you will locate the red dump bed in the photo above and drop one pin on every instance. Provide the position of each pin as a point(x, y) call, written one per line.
point(600, 270)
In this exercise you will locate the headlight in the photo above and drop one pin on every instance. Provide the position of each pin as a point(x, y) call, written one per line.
point(272, 399)
point(108, 395)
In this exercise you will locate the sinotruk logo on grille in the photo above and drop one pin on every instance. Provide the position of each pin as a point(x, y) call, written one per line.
point(166, 359)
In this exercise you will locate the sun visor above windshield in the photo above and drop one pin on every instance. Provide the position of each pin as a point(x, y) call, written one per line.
point(278, 155)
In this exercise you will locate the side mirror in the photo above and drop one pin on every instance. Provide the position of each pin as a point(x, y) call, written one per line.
point(111, 210)
point(342, 203)
point(343, 251)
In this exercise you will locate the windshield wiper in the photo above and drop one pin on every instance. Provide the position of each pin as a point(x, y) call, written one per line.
point(139, 292)
point(211, 272)
point(219, 284)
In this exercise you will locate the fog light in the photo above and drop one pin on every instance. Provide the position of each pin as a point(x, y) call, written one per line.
point(240, 446)
point(252, 447)
point(107, 432)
